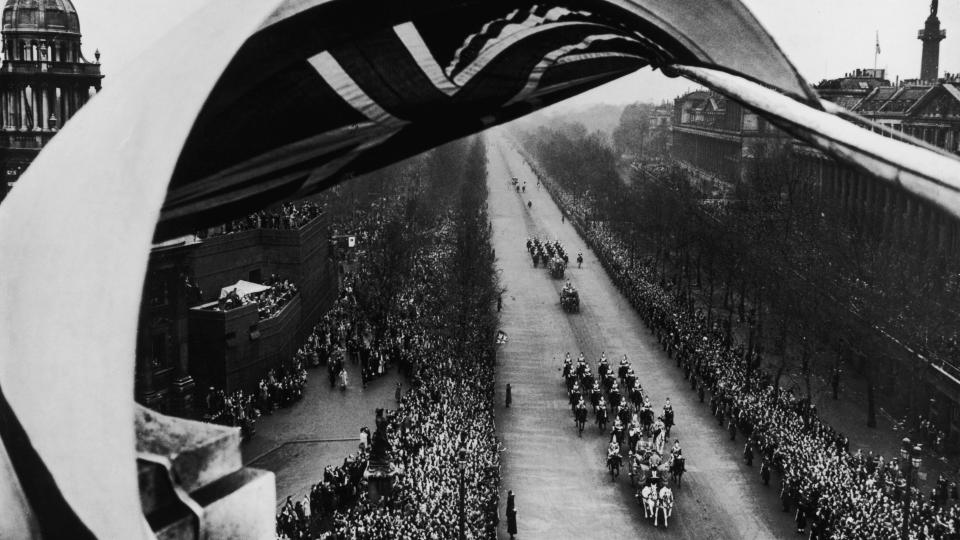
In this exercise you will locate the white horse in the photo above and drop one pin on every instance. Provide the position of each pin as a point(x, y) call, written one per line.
point(649, 496)
point(660, 441)
point(664, 506)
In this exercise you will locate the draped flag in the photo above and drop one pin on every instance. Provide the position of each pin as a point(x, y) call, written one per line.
point(250, 102)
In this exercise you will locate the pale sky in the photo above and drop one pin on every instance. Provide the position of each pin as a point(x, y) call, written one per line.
point(823, 38)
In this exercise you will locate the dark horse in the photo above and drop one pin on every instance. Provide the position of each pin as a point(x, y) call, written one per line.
point(580, 414)
point(677, 467)
point(613, 465)
point(602, 418)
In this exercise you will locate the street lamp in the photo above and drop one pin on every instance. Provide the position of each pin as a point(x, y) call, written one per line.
point(462, 461)
point(910, 462)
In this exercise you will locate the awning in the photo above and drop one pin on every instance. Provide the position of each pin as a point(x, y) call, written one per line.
point(243, 288)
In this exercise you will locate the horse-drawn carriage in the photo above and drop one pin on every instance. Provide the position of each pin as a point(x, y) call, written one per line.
point(557, 267)
point(570, 299)
point(648, 474)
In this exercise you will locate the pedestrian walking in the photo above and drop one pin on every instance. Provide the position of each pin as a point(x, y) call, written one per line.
point(398, 393)
point(765, 471)
point(748, 454)
point(499, 302)
point(511, 515)
point(343, 378)
point(509, 396)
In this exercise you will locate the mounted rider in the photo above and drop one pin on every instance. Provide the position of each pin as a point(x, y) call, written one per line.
point(676, 450)
point(613, 448)
point(668, 416)
point(617, 432)
point(603, 367)
point(595, 395)
point(615, 397)
point(624, 367)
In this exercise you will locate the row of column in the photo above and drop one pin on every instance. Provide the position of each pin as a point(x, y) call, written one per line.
point(897, 214)
point(716, 157)
point(29, 107)
point(50, 51)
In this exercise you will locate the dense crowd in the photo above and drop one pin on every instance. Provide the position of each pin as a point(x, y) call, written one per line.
point(441, 438)
point(291, 215)
point(280, 388)
point(838, 495)
point(448, 409)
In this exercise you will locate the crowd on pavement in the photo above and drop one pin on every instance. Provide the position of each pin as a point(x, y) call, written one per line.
point(832, 493)
point(441, 437)
point(280, 388)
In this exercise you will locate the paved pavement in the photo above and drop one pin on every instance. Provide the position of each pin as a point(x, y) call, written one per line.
point(560, 481)
point(298, 442)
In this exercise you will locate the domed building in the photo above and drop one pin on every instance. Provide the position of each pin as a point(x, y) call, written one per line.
point(44, 79)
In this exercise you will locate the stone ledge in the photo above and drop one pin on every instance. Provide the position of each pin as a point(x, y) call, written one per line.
point(201, 453)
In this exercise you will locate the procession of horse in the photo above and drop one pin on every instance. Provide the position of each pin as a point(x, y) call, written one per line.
point(616, 395)
point(636, 429)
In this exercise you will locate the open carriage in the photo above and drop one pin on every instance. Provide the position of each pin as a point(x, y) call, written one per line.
point(570, 300)
point(557, 267)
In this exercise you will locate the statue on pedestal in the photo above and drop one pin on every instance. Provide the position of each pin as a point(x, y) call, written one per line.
point(380, 471)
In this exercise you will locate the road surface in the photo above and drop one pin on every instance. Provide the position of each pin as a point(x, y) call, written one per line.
point(560, 481)
point(298, 442)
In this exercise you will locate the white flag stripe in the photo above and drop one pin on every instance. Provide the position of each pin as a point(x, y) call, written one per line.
point(531, 21)
point(348, 89)
point(551, 58)
point(414, 43)
point(569, 59)
point(490, 53)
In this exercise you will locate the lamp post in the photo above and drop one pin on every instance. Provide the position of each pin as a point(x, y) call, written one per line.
point(462, 461)
point(910, 462)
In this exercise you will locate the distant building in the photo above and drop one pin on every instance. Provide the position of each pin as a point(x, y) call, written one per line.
point(184, 343)
point(718, 136)
point(44, 79)
point(715, 136)
point(852, 88)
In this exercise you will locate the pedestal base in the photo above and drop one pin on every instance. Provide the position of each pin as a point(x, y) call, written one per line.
point(380, 477)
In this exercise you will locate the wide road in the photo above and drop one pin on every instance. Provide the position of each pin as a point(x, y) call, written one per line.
point(560, 480)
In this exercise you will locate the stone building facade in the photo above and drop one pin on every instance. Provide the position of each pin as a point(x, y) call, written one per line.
point(44, 79)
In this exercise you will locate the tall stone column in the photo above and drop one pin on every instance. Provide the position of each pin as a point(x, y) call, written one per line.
point(22, 98)
point(4, 108)
point(65, 100)
point(34, 117)
point(44, 108)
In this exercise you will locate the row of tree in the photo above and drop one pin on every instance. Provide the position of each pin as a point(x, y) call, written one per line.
point(804, 277)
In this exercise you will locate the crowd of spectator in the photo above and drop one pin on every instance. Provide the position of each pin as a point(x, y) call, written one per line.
point(838, 495)
point(446, 414)
point(292, 215)
point(269, 302)
point(280, 388)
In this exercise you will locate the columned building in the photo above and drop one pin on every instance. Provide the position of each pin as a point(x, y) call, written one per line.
point(44, 79)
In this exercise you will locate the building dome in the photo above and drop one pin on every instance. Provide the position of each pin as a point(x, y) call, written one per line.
point(40, 17)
